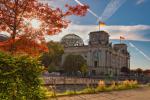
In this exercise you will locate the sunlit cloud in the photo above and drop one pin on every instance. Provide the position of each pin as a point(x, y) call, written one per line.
point(115, 31)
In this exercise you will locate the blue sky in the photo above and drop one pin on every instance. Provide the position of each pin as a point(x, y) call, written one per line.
point(128, 18)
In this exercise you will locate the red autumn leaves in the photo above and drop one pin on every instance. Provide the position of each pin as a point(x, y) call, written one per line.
point(23, 37)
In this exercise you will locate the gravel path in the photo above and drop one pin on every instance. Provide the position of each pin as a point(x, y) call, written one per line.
point(136, 94)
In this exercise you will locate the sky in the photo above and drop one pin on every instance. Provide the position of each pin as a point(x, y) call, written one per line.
point(127, 18)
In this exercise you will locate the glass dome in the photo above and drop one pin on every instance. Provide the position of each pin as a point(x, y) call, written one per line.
point(3, 37)
point(72, 40)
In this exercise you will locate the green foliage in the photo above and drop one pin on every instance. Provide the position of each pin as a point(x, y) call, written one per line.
point(19, 78)
point(54, 54)
point(124, 85)
point(70, 92)
point(84, 69)
point(51, 68)
point(88, 90)
point(74, 63)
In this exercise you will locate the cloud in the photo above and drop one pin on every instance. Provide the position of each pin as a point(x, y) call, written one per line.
point(140, 2)
point(135, 32)
point(111, 8)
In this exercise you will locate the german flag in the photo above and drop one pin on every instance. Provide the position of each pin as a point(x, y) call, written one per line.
point(102, 24)
point(122, 38)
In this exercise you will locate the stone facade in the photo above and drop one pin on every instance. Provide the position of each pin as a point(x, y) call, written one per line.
point(101, 56)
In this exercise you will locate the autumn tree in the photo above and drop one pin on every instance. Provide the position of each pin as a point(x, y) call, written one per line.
point(20, 75)
point(16, 17)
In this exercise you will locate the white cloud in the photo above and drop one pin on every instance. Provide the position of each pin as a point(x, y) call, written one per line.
point(115, 31)
point(111, 8)
point(140, 2)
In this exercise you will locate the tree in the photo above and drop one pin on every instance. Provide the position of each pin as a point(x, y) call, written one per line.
point(146, 72)
point(84, 69)
point(139, 71)
point(54, 54)
point(52, 68)
point(74, 63)
point(16, 17)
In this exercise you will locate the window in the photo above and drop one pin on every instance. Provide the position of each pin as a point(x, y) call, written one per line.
point(95, 63)
point(93, 72)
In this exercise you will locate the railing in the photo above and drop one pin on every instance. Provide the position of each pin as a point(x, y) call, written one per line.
point(61, 80)
point(68, 80)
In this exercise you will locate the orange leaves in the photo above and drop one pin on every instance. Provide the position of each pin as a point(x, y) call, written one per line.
point(2, 27)
point(23, 45)
point(14, 13)
point(77, 10)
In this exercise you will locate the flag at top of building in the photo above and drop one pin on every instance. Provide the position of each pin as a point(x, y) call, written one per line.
point(101, 24)
point(122, 38)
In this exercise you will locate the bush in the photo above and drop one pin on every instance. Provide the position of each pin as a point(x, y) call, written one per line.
point(129, 84)
point(19, 78)
point(121, 86)
point(69, 92)
point(148, 84)
point(101, 86)
point(88, 90)
point(52, 68)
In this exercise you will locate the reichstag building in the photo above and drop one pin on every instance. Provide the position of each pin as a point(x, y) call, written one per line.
point(101, 56)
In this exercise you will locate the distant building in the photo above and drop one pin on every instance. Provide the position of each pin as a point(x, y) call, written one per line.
point(101, 56)
point(3, 37)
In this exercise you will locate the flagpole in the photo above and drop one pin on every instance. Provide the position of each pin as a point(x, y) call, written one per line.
point(120, 40)
point(99, 25)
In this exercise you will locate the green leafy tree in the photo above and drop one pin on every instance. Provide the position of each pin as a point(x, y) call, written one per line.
point(84, 69)
point(52, 68)
point(74, 63)
point(139, 71)
point(54, 54)
point(19, 78)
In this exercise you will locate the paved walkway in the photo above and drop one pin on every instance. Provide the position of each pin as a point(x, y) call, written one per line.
point(136, 94)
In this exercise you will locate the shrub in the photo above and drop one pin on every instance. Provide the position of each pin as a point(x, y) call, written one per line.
point(148, 84)
point(101, 86)
point(51, 68)
point(120, 86)
point(127, 85)
point(88, 90)
point(68, 92)
point(19, 78)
